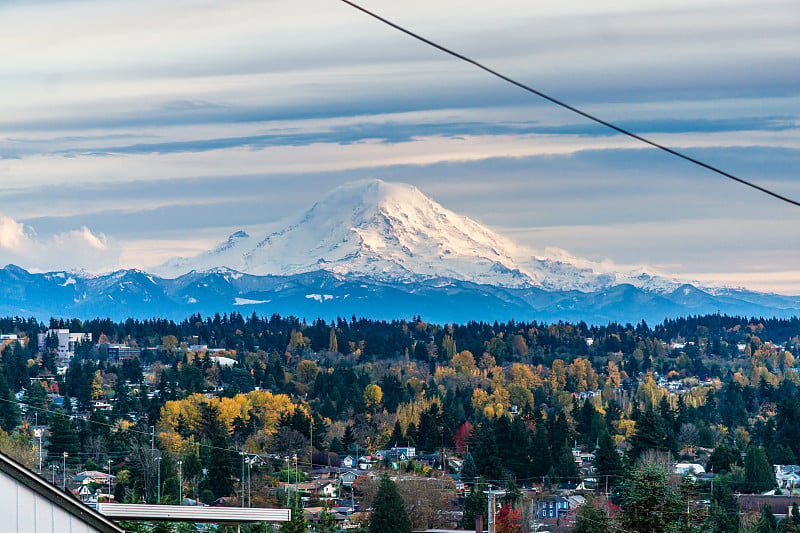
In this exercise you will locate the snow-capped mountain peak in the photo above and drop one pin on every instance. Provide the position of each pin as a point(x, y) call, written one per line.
point(392, 231)
point(389, 230)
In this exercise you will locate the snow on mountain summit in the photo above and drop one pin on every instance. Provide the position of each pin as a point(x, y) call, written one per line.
point(392, 231)
point(388, 230)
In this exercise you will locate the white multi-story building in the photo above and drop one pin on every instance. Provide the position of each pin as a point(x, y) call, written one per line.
point(66, 341)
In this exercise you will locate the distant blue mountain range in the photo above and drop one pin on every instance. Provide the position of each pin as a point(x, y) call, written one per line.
point(137, 294)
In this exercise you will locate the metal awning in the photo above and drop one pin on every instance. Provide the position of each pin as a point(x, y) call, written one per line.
point(192, 513)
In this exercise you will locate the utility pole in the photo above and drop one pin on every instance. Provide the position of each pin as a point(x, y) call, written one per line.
point(241, 482)
point(39, 435)
point(492, 505)
point(64, 479)
point(180, 482)
point(158, 492)
point(109, 480)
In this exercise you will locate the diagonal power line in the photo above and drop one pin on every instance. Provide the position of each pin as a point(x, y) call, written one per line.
point(569, 107)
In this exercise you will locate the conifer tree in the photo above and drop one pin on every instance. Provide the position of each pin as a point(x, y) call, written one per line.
point(475, 504)
point(758, 472)
point(590, 519)
point(348, 439)
point(333, 344)
point(650, 504)
point(297, 522)
point(540, 454)
point(389, 513)
point(9, 411)
point(468, 470)
point(327, 523)
point(650, 435)
point(220, 470)
point(766, 522)
point(63, 437)
point(487, 454)
point(607, 461)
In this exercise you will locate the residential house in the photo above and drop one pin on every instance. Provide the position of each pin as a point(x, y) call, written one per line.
point(316, 488)
point(557, 506)
point(689, 470)
point(349, 477)
point(88, 495)
point(90, 477)
point(787, 476)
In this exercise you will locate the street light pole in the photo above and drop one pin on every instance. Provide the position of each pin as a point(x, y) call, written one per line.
point(158, 498)
point(241, 481)
point(109, 480)
point(180, 482)
point(64, 479)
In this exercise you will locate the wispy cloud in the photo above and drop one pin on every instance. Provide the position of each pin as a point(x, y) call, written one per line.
point(180, 121)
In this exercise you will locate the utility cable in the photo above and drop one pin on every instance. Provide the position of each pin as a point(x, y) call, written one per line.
point(572, 108)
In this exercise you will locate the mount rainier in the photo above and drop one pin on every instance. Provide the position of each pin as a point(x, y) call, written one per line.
point(381, 250)
point(393, 232)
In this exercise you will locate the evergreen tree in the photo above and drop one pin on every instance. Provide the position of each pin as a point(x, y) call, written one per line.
point(397, 435)
point(650, 435)
point(297, 522)
point(723, 458)
point(476, 503)
point(220, 470)
point(468, 470)
point(487, 454)
point(348, 439)
point(607, 461)
point(389, 513)
point(650, 504)
point(541, 462)
point(333, 344)
point(724, 513)
point(758, 473)
point(9, 410)
point(63, 437)
point(591, 519)
point(766, 522)
point(327, 522)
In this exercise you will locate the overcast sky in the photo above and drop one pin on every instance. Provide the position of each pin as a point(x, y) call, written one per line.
point(131, 132)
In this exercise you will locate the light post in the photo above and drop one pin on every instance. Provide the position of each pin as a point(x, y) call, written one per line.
point(249, 466)
point(38, 433)
point(288, 480)
point(53, 469)
point(180, 482)
point(158, 498)
point(64, 479)
point(241, 481)
point(109, 480)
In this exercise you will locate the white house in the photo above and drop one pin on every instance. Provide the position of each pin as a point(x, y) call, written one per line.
point(691, 470)
point(787, 476)
point(32, 505)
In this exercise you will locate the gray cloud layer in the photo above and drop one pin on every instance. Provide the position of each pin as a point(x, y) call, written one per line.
point(180, 122)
